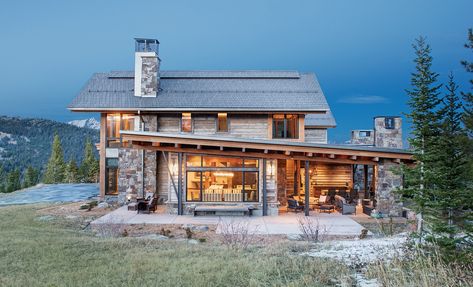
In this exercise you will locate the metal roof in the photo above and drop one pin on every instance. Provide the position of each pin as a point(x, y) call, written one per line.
point(251, 91)
point(268, 142)
point(320, 120)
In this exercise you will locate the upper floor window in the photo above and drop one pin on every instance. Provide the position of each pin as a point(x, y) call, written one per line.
point(389, 123)
point(364, 134)
point(186, 123)
point(222, 123)
point(285, 126)
point(115, 123)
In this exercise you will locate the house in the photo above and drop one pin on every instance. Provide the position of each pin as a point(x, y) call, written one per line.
point(226, 138)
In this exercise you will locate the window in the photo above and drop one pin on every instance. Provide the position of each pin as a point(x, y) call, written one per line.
point(285, 126)
point(222, 123)
point(115, 123)
point(364, 134)
point(111, 176)
point(221, 179)
point(389, 123)
point(186, 123)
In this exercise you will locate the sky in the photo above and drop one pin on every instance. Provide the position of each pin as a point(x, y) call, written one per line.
point(361, 51)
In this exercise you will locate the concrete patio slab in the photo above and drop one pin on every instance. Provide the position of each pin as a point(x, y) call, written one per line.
point(284, 224)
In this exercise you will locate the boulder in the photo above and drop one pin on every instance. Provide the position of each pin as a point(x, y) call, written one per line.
point(103, 205)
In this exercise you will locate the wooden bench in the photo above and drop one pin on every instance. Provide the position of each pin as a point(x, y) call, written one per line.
point(223, 210)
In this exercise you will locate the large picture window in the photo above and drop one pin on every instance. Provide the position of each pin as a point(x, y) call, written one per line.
point(285, 126)
point(115, 123)
point(222, 179)
point(111, 176)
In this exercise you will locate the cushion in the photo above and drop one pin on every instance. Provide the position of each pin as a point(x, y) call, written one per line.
point(323, 199)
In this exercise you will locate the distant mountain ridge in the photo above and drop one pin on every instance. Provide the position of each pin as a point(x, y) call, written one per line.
point(27, 141)
point(91, 123)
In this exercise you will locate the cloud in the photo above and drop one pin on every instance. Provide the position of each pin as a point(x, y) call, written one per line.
point(363, 99)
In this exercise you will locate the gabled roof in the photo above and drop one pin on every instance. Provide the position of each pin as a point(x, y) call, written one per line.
point(320, 120)
point(242, 91)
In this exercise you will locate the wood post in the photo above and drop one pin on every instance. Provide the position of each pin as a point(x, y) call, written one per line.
point(307, 189)
point(365, 177)
point(265, 192)
point(180, 210)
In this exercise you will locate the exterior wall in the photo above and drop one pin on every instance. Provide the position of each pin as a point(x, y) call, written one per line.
point(130, 175)
point(388, 138)
point(205, 124)
point(357, 139)
point(387, 201)
point(315, 135)
point(248, 126)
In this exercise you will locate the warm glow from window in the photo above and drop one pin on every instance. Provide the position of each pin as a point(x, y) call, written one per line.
point(186, 123)
point(222, 123)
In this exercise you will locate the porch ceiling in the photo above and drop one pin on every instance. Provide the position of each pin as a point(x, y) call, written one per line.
point(275, 149)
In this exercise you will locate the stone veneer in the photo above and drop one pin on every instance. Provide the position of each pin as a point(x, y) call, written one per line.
point(149, 76)
point(130, 176)
point(387, 200)
point(361, 140)
point(388, 138)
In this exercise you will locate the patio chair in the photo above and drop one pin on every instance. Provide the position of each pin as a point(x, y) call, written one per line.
point(148, 206)
point(293, 205)
point(343, 206)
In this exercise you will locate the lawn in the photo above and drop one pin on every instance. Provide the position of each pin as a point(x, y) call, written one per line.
point(55, 253)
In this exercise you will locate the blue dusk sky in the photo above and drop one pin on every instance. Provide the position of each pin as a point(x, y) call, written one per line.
point(360, 50)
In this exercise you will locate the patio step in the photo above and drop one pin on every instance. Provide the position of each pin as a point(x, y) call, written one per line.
point(222, 210)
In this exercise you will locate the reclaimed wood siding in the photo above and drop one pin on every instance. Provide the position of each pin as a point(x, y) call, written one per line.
point(249, 126)
point(163, 177)
point(204, 124)
point(316, 135)
point(332, 175)
point(169, 124)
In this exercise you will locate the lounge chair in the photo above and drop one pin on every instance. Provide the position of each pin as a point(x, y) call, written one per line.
point(343, 206)
point(148, 206)
point(293, 205)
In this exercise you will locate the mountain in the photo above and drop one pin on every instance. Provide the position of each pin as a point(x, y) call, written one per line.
point(25, 142)
point(91, 123)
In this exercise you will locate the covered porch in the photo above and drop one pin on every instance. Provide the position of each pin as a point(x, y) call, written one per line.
point(272, 172)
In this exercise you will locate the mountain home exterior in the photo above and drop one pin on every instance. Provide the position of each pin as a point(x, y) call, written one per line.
point(231, 138)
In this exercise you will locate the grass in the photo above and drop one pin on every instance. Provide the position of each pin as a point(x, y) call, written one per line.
point(56, 253)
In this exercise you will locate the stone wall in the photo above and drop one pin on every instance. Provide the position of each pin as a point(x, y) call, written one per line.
point(149, 76)
point(130, 176)
point(358, 138)
point(388, 138)
point(387, 200)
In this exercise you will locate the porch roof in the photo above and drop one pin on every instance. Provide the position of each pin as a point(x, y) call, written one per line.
point(264, 148)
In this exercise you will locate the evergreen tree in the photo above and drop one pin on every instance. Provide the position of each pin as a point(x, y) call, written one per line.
point(13, 181)
point(423, 102)
point(468, 109)
point(55, 167)
point(447, 211)
point(89, 168)
point(31, 177)
point(72, 172)
point(2, 179)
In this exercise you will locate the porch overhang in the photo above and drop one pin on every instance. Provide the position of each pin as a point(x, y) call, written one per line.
point(263, 148)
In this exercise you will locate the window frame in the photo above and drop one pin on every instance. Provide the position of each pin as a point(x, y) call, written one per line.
point(286, 125)
point(390, 123)
point(181, 121)
point(202, 169)
point(108, 167)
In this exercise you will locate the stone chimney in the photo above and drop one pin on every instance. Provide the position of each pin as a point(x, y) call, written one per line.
point(388, 132)
point(146, 67)
point(362, 137)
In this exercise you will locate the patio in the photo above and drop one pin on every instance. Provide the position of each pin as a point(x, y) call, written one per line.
point(335, 224)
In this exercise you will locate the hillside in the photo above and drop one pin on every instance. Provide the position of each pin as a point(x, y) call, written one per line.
point(91, 123)
point(26, 142)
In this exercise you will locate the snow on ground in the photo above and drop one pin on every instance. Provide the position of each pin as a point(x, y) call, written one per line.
point(7, 136)
point(91, 123)
point(361, 251)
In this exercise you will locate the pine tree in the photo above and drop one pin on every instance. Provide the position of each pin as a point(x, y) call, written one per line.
point(447, 211)
point(468, 109)
point(2, 179)
point(31, 177)
point(423, 102)
point(89, 168)
point(13, 181)
point(55, 167)
point(72, 172)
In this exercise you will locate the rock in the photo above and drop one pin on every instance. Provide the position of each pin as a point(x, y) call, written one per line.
point(200, 228)
point(192, 241)
point(154, 237)
point(103, 205)
point(71, 216)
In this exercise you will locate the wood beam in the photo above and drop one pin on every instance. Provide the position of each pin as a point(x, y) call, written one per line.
point(249, 154)
point(155, 144)
point(307, 190)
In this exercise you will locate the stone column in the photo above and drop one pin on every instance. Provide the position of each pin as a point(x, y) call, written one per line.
point(130, 176)
point(387, 200)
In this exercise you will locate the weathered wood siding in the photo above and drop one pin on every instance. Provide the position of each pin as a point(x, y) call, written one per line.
point(204, 124)
point(163, 178)
point(316, 135)
point(169, 123)
point(249, 126)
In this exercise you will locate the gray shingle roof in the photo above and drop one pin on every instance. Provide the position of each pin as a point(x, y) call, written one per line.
point(206, 91)
point(320, 120)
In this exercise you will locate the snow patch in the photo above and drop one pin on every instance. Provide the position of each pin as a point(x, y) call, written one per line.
point(9, 137)
point(91, 123)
